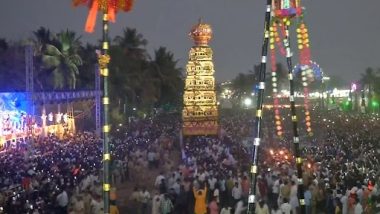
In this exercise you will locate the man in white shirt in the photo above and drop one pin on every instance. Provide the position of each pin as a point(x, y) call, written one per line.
point(62, 201)
point(156, 203)
point(286, 208)
point(144, 198)
point(158, 179)
point(211, 182)
point(177, 187)
point(97, 205)
point(344, 201)
point(358, 207)
point(236, 193)
point(275, 189)
point(239, 209)
point(226, 210)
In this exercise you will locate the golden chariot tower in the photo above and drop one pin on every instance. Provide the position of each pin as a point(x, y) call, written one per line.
point(200, 112)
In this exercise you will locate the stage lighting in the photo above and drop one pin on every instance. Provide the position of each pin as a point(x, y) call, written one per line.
point(65, 118)
point(59, 117)
point(50, 117)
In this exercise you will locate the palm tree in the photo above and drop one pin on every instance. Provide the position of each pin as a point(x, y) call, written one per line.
point(86, 78)
point(42, 37)
point(63, 60)
point(125, 77)
point(132, 42)
point(131, 77)
point(171, 79)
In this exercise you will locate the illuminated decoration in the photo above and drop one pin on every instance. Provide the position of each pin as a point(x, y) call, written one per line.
point(59, 117)
point(354, 87)
point(200, 112)
point(309, 72)
point(13, 111)
point(65, 118)
point(109, 7)
point(286, 8)
point(50, 117)
point(303, 43)
point(274, 37)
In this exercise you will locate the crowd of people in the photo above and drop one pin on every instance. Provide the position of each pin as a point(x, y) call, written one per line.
point(39, 177)
point(52, 175)
point(340, 171)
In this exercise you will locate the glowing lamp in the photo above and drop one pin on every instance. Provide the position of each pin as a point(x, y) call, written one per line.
point(50, 117)
point(271, 152)
point(353, 87)
point(43, 117)
point(65, 118)
point(248, 102)
point(59, 117)
point(281, 152)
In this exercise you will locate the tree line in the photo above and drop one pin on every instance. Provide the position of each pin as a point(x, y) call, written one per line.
point(62, 61)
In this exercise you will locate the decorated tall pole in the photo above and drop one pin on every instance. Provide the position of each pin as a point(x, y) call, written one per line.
point(259, 110)
point(283, 12)
point(103, 62)
point(108, 8)
point(296, 140)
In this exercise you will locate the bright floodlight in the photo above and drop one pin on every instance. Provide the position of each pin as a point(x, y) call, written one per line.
point(353, 87)
point(248, 101)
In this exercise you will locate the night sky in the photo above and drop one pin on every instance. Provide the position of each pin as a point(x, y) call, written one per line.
point(344, 34)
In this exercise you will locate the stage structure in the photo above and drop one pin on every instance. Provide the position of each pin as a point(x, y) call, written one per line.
point(108, 8)
point(279, 13)
point(200, 112)
point(17, 122)
point(19, 119)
